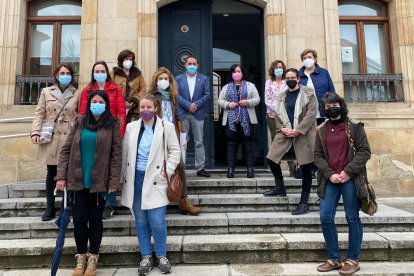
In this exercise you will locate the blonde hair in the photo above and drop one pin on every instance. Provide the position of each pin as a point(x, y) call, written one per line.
point(172, 88)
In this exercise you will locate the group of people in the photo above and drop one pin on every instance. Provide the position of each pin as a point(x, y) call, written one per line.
point(117, 134)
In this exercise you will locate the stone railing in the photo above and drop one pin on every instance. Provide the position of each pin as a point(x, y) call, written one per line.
point(28, 88)
point(368, 88)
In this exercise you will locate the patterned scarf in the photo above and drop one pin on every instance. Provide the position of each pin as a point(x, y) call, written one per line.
point(240, 113)
point(166, 96)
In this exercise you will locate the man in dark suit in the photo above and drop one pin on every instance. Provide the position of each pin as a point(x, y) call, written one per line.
point(193, 95)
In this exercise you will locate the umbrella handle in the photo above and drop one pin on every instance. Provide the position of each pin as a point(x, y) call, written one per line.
point(65, 197)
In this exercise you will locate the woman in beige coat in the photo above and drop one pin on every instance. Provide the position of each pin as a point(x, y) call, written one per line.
point(296, 131)
point(62, 94)
point(238, 99)
point(144, 179)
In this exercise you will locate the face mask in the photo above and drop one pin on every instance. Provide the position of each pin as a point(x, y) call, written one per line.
point(291, 83)
point(97, 108)
point(192, 69)
point(163, 84)
point(333, 112)
point(127, 63)
point(100, 77)
point(278, 72)
point(147, 115)
point(308, 63)
point(65, 80)
point(237, 76)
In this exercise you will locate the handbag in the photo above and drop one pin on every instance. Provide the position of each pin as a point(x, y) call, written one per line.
point(297, 172)
point(369, 204)
point(175, 183)
point(47, 129)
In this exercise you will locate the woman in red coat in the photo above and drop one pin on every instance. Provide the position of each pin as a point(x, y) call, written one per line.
point(100, 80)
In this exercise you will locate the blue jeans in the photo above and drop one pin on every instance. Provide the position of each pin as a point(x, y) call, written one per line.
point(352, 205)
point(111, 200)
point(147, 221)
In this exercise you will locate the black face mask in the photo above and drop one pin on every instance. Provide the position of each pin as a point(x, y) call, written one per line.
point(291, 83)
point(333, 112)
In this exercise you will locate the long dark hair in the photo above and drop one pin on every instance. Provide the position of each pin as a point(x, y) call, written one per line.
point(332, 98)
point(72, 74)
point(105, 120)
point(108, 77)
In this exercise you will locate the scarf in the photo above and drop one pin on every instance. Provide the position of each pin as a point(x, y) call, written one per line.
point(166, 96)
point(240, 113)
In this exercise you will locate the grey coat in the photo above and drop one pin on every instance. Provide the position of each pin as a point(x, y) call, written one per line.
point(305, 122)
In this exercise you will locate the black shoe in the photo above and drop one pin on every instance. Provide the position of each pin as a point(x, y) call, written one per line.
point(108, 212)
point(250, 172)
point(203, 173)
point(230, 172)
point(145, 266)
point(303, 206)
point(164, 265)
point(277, 191)
point(49, 214)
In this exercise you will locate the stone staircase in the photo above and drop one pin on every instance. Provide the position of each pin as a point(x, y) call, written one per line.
point(237, 225)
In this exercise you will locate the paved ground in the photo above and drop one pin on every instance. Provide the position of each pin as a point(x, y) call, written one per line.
point(372, 268)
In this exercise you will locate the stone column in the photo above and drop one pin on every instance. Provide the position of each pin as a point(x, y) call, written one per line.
point(88, 42)
point(147, 47)
point(402, 38)
point(333, 43)
point(12, 32)
point(275, 32)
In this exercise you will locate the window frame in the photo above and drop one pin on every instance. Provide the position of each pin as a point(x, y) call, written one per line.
point(57, 22)
point(360, 22)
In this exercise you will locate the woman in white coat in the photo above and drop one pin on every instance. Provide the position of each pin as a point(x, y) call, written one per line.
point(144, 179)
point(238, 99)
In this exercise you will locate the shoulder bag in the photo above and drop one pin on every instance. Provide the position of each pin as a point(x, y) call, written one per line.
point(175, 184)
point(368, 204)
point(47, 129)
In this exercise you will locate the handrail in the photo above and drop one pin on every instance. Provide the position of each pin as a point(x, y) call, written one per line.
point(15, 136)
point(16, 120)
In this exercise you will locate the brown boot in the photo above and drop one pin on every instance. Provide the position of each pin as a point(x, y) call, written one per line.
point(81, 260)
point(92, 263)
point(186, 207)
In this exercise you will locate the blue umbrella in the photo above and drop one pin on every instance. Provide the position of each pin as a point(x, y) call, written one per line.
point(62, 222)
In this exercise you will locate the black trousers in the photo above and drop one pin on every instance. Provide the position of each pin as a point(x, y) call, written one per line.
point(306, 174)
point(51, 185)
point(87, 212)
point(234, 138)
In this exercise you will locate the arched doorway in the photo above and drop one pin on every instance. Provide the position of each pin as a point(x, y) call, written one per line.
point(219, 33)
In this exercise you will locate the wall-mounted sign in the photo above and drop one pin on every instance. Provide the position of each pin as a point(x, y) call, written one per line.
point(347, 54)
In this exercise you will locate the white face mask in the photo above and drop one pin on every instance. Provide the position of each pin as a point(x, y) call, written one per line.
point(127, 63)
point(308, 63)
point(163, 84)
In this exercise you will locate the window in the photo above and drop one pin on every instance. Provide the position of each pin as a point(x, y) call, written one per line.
point(53, 35)
point(364, 31)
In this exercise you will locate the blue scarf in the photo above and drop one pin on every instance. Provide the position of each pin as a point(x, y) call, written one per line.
point(166, 96)
point(240, 113)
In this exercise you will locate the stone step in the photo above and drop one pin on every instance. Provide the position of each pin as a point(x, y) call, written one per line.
point(218, 184)
point(209, 203)
point(213, 249)
point(387, 219)
point(281, 269)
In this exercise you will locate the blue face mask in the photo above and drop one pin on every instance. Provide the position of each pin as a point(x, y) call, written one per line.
point(100, 77)
point(278, 72)
point(192, 69)
point(65, 80)
point(97, 108)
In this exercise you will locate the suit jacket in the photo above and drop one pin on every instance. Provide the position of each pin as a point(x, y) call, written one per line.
point(154, 189)
point(200, 97)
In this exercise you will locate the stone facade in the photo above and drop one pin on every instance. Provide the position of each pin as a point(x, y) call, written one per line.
point(290, 26)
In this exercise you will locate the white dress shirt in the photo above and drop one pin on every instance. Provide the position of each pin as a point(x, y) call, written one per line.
point(191, 80)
